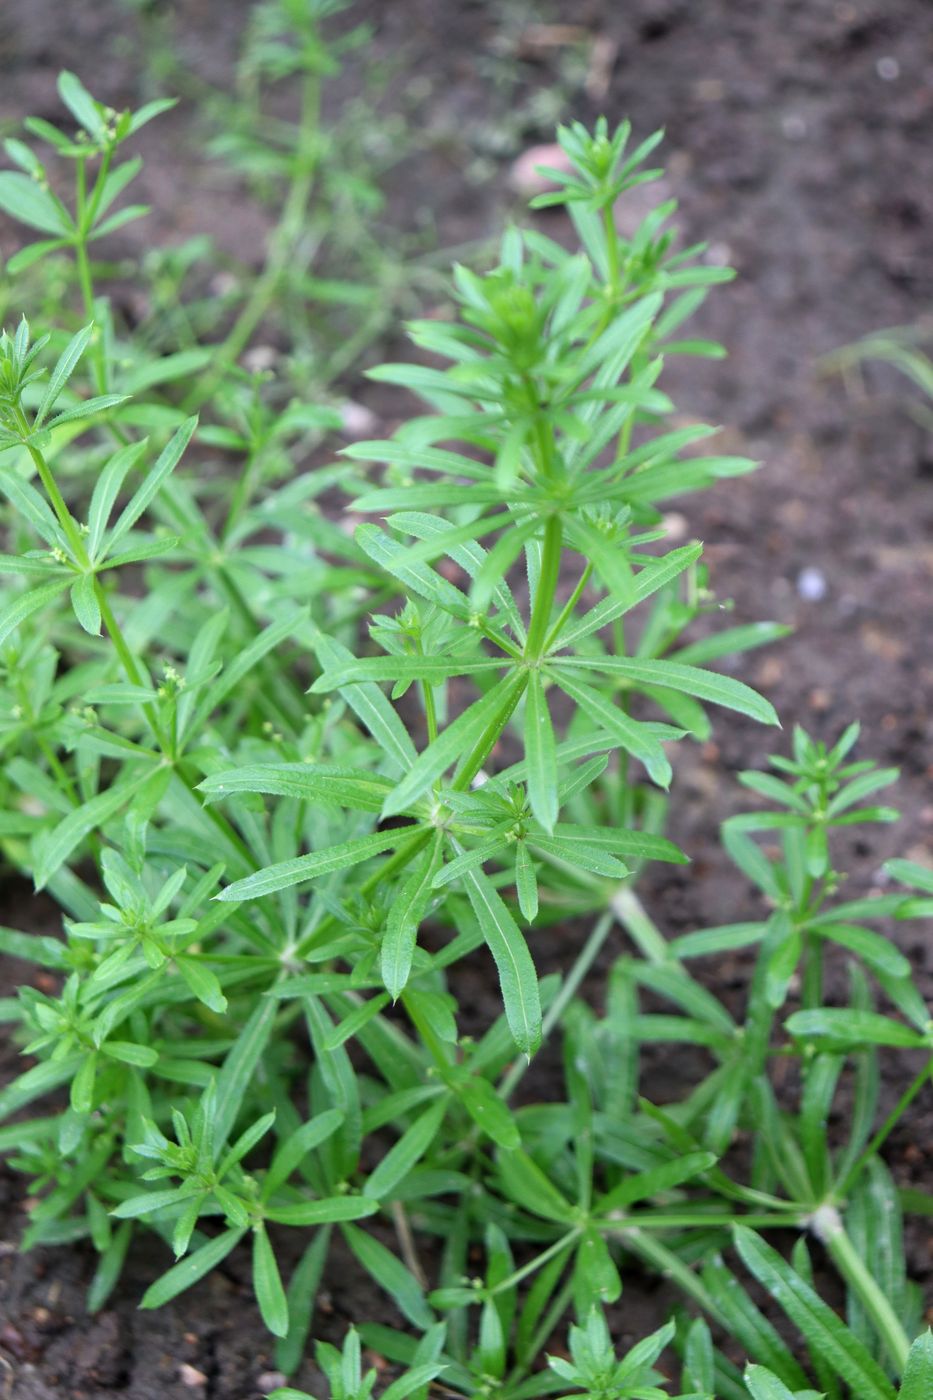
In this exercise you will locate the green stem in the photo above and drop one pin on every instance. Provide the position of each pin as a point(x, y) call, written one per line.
point(536, 1263)
point(669, 1265)
point(57, 501)
point(632, 915)
point(826, 1224)
point(910, 1093)
point(281, 248)
point(585, 959)
point(84, 218)
point(567, 609)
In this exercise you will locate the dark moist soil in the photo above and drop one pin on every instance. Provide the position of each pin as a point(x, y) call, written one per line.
point(798, 145)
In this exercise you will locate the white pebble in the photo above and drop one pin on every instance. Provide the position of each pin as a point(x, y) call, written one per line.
point(888, 69)
point(811, 584)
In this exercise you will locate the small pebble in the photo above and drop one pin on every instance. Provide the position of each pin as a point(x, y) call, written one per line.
point(811, 584)
point(676, 525)
point(888, 69)
point(793, 126)
point(271, 1380)
point(527, 180)
point(191, 1376)
point(356, 420)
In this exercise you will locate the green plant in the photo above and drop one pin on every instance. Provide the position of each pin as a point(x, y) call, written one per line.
point(901, 347)
point(266, 860)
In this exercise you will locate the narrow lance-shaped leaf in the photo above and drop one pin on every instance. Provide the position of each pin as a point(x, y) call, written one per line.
point(629, 734)
point(310, 867)
point(540, 754)
point(692, 680)
point(188, 1271)
point(267, 1284)
point(517, 976)
point(405, 914)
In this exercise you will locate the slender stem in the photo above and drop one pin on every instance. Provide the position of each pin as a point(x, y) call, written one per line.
point(632, 915)
point(826, 1224)
point(669, 1265)
point(585, 959)
point(568, 608)
point(57, 500)
point(281, 248)
point(843, 1189)
point(84, 217)
point(536, 1263)
point(546, 1329)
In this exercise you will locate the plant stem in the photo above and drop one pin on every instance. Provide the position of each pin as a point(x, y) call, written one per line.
point(632, 915)
point(568, 608)
point(281, 248)
point(585, 959)
point(536, 1263)
point(826, 1224)
point(844, 1187)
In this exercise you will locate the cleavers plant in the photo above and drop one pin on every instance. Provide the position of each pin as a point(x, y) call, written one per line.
point(278, 861)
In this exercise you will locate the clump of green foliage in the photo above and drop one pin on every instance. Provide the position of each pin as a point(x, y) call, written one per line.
point(279, 808)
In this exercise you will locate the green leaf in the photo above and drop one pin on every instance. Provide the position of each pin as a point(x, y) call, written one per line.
point(297, 1145)
point(353, 788)
point(703, 685)
point(52, 848)
point(540, 754)
point(62, 372)
point(404, 1154)
point(107, 488)
point(489, 1112)
point(148, 489)
point(310, 867)
point(201, 982)
point(517, 976)
point(528, 1186)
point(244, 661)
point(405, 914)
point(392, 1276)
point(401, 669)
point(918, 1376)
point(327, 1211)
point(34, 1083)
point(87, 408)
point(238, 1068)
point(764, 1385)
point(840, 1029)
point(629, 734)
point(188, 1271)
point(267, 1284)
point(81, 104)
point(27, 201)
point(23, 605)
point(825, 1335)
point(369, 705)
point(143, 1056)
point(644, 1185)
point(85, 603)
point(301, 1294)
